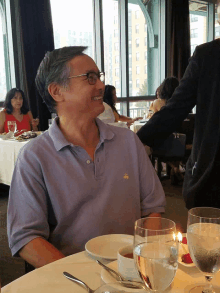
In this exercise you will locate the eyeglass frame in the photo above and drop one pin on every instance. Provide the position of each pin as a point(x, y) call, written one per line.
point(87, 74)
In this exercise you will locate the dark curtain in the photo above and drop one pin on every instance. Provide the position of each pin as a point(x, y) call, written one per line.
point(180, 38)
point(37, 38)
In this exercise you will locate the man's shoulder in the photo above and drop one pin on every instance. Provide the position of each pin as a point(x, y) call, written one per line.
point(37, 145)
point(209, 47)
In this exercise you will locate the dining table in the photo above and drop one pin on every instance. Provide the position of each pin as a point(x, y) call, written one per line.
point(9, 150)
point(50, 278)
point(137, 125)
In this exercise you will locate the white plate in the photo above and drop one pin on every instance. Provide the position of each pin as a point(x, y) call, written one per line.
point(183, 249)
point(107, 246)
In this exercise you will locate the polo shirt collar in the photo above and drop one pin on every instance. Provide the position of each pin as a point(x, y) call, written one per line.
point(60, 141)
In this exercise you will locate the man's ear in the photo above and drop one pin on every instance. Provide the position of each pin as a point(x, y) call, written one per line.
point(55, 91)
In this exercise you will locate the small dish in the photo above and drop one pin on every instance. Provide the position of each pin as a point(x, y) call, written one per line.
point(183, 249)
point(107, 246)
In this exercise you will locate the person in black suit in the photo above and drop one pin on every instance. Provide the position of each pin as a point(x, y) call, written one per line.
point(200, 87)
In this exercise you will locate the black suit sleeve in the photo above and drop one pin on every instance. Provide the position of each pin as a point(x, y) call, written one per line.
point(169, 118)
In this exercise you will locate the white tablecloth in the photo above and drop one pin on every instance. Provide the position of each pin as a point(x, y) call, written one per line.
point(50, 279)
point(9, 150)
point(137, 125)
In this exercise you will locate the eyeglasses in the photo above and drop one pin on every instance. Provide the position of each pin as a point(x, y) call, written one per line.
point(92, 77)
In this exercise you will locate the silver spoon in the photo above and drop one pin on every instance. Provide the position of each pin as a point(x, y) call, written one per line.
point(116, 275)
point(74, 279)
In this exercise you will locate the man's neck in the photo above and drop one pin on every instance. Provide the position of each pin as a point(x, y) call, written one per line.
point(84, 133)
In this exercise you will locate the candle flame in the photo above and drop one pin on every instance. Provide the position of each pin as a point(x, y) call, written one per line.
point(179, 237)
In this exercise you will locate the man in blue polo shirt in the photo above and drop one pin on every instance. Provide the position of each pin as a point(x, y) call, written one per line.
point(81, 178)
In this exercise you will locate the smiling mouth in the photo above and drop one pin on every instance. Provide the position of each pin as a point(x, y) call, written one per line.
point(97, 98)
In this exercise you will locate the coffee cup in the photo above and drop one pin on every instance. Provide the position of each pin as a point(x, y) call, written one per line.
point(126, 265)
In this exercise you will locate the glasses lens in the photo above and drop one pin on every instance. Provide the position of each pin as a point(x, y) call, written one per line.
point(102, 77)
point(92, 77)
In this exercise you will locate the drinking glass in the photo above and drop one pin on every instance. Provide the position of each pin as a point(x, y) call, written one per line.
point(156, 252)
point(203, 237)
point(12, 126)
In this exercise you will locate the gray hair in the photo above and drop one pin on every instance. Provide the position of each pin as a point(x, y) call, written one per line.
point(54, 69)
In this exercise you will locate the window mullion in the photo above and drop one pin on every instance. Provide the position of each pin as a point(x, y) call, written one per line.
point(211, 22)
point(123, 28)
point(98, 34)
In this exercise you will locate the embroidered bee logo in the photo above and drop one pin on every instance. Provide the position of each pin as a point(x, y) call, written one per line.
point(126, 176)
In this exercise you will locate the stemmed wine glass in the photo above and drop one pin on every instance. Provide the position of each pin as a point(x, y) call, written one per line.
point(203, 237)
point(156, 252)
point(12, 126)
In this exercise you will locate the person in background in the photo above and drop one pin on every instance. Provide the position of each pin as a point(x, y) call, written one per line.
point(110, 98)
point(16, 109)
point(82, 178)
point(163, 94)
point(199, 87)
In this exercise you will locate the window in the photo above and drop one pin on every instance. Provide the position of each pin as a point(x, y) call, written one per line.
point(117, 59)
point(137, 14)
point(198, 22)
point(146, 84)
point(193, 18)
point(193, 48)
point(145, 55)
point(5, 78)
point(194, 33)
point(117, 84)
point(116, 33)
point(111, 43)
point(143, 24)
point(145, 69)
point(217, 24)
point(73, 26)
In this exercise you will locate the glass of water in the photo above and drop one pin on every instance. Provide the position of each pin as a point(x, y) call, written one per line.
point(12, 126)
point(156, 252)
point(203, 236)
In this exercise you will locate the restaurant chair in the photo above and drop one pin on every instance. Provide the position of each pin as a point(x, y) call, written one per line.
point(187, 128)
point(28, 267)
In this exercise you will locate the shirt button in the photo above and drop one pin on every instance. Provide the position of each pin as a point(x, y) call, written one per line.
point(88, 162)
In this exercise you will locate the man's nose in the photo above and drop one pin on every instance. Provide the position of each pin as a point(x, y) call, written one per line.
point(100, 84)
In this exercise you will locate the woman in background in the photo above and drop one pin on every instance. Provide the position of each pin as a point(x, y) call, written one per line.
point(16, 109)
point(163, 94)
point(110, 98)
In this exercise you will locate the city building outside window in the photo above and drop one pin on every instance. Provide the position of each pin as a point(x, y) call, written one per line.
point(137, 42)
point(137, 69)
point(117, 59)
point(137, 28)
point(137, 83)
point(117, 72)
point(194, 33)
point(137, 13)
point(137, 56)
